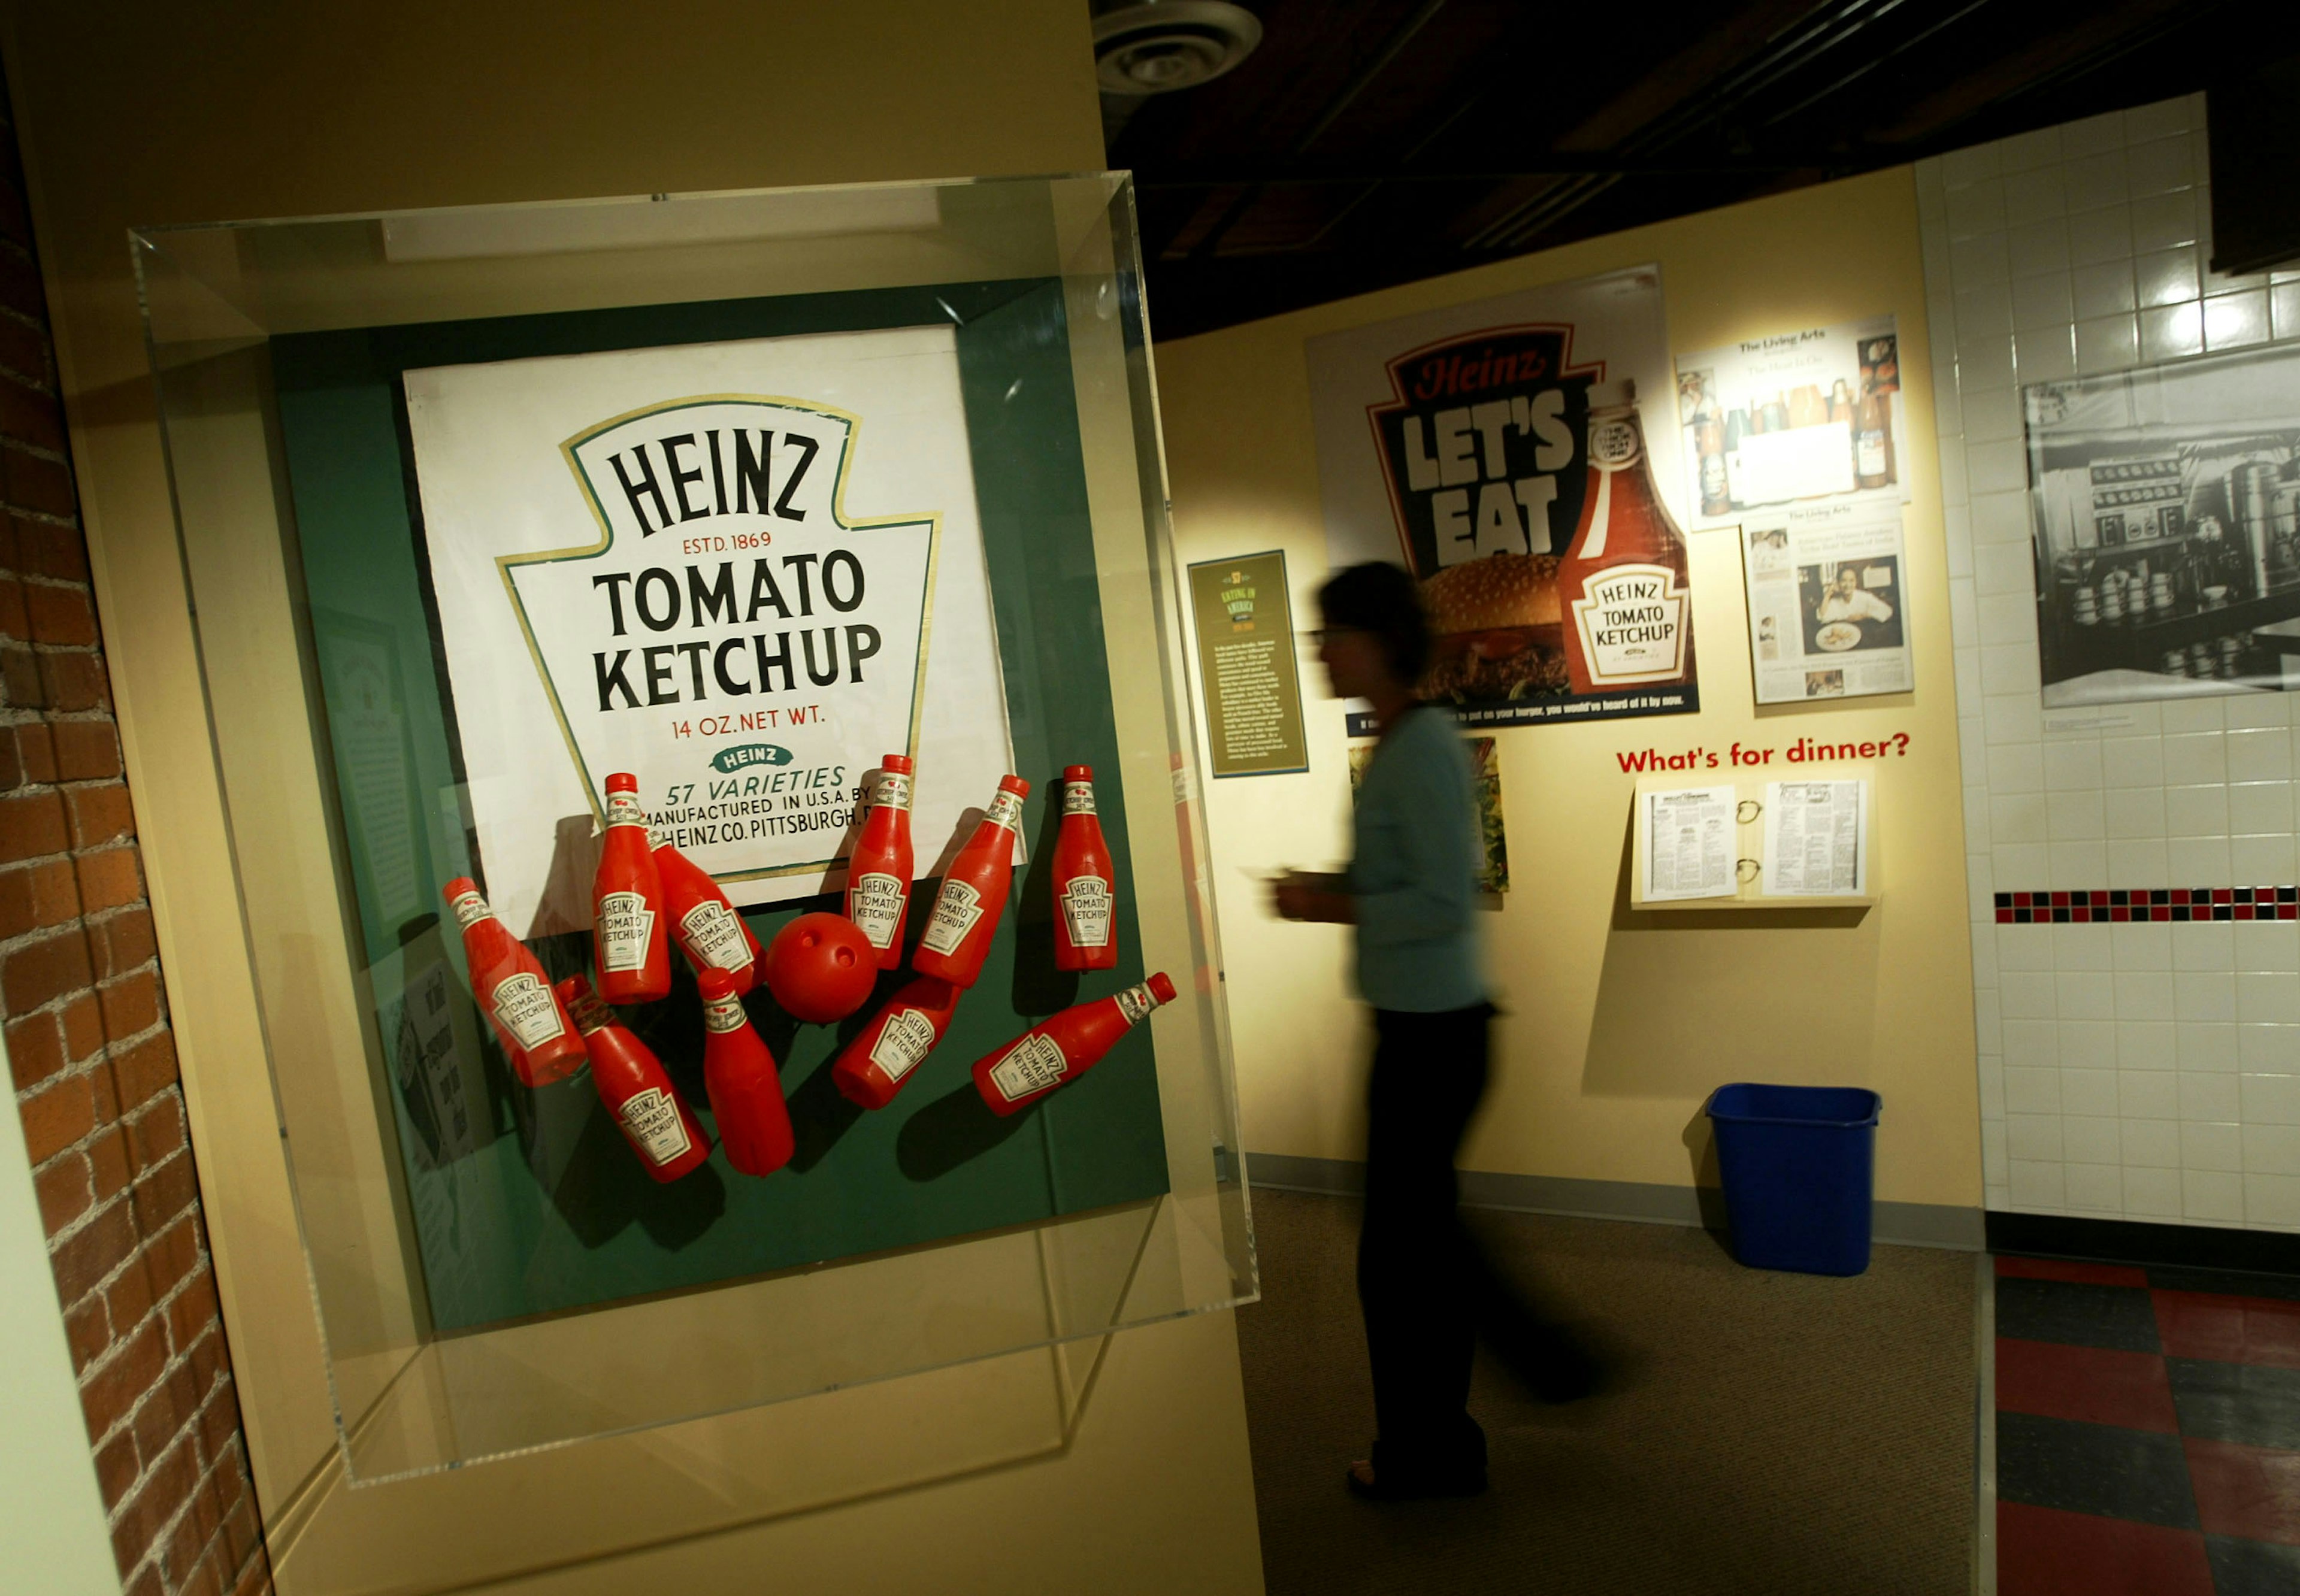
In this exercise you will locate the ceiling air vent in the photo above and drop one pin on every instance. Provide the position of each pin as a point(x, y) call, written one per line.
point(1160, 45)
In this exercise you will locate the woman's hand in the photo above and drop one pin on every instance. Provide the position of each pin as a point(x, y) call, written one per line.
point(1300, 895)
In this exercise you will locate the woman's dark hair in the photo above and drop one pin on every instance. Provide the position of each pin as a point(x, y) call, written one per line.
point(1382, 600)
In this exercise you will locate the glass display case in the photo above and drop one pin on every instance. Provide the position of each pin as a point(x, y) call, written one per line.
point(739, 494)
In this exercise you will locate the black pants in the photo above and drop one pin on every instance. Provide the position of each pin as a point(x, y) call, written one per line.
point(1426, 1286)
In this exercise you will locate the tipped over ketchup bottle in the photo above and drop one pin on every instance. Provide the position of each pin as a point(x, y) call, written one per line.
point(707, 928)
point(628, 932)
point(896, 1042)
point(1058, 1050)
point(537, 1037)
point(879, 871)
point(661, 1128)
point(1622, 585)
point(746, 1093)
point(1086, 926)
point(966, 911)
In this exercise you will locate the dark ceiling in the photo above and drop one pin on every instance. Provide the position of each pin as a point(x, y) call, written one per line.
point(1371, 142)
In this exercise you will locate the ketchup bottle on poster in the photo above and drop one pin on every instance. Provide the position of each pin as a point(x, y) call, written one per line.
point(1086, 927)
point(1060, 1050)
point(661, 1128)
point(876, 1063)
point(708, 930)
point(537, 1037)
point(965, 915)
point(1622, 584)
point(746, 1093)
point(628, 933)
point(879, 871)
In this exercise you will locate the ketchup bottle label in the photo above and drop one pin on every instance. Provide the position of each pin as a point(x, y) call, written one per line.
point(1135, 1003)
point(1034, 1061)
point(1078, 798)
point(1006, 810)
point(1632, 623)
point(469, 910)
point(523, 1007)
point(716, 935)
point(651, 1119)
point(892, 791)
point(724, 1014)
point(1085, 912)
point(909, 1037)
point(876, 903)
point(624, 809)
point(956, 909)
point(626, 924)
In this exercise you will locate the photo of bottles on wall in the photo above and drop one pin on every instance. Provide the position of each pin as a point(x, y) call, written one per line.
point(1806, 414)
point(2165, 511)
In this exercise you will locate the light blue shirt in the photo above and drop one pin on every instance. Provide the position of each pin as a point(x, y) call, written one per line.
point(1416, 852)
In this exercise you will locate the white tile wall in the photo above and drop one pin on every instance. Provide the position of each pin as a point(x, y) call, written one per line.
point(2143, 1072)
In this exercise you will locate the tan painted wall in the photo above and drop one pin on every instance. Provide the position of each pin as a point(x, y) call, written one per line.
point(1617, 1025)
point(152, 114)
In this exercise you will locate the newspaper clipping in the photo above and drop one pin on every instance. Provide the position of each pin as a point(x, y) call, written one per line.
point(1828, 603)
point(1816, 839)
point(1690, 843)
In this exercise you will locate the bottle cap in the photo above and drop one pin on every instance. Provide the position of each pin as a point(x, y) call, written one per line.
point(898, 763)
point(1161, 988)
point(583, 1005)
point(1077, 772)
point(622, 781)
point(1014, 785)
point(714, 984)
point(457, 887)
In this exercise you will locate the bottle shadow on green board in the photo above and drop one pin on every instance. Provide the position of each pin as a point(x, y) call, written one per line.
point(954, 1129)
point(821, 1114)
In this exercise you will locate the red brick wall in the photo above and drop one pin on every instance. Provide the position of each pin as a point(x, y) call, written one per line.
point(87, 1023)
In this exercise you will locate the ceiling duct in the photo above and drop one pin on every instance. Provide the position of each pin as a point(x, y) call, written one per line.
point(1160, 46)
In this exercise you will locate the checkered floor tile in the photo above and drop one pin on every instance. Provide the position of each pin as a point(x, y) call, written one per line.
point(2147, 1431)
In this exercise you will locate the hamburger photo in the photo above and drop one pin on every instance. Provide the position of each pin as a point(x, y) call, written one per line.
point(1497, 627)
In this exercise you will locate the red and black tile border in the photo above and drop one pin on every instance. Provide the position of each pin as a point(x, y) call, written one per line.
point(2099, 906)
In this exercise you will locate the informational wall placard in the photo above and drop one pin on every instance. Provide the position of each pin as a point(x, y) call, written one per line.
point(1816, 839)
point(1827, 602)
point(1457, 443)
point(723, 568)
point(1689, 837)
point(1807, 413)
point(1247, 669)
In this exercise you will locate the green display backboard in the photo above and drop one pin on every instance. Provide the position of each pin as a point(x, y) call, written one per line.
point(528, 1202)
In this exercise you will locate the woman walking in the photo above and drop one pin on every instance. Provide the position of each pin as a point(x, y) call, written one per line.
point(1424, 1286)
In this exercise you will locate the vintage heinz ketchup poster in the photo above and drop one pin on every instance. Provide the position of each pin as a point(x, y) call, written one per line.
point(742, 571)
point(1511, 454)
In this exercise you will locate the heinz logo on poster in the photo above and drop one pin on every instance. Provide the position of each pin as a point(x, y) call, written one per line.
point(1481, 445)
point(729, 597)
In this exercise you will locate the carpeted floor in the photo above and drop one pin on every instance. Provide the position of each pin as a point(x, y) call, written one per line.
point(1779, 1433)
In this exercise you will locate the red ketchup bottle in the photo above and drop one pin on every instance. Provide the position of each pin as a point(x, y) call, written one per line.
point(661, 1128)
point(747, 1095)
point(973, 893)
point(879, 871)
point(1060, 1050)
point(707, 928)
point(1086, 922)
point(537, 1037)
point(628, 935)
point(876, 1063)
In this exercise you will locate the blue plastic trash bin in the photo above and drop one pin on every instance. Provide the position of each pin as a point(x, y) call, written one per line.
point(1799, 1167)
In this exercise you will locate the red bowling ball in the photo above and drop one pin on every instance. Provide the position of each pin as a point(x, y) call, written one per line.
point(820, 967)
